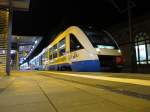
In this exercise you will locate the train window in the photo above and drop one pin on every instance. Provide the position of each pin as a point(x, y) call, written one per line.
point(74, 43)
point(62, 47)
point(40, 60)
point(142, 48)
point(55, 51)
point(101, 39)
point(51, 53)
point(45, 57)
point(37, 62)
point(51, 56)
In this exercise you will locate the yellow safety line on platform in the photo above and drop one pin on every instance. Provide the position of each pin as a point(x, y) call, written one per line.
point(122, 80)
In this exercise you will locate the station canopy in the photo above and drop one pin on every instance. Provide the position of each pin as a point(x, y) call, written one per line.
point(16, 4)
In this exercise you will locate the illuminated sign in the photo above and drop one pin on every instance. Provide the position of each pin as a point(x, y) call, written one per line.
point(105, 47)
point(2, 52)
point(16, 4)
point(13, 51)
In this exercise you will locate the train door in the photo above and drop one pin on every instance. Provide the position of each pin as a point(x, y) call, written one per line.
point(75, 46)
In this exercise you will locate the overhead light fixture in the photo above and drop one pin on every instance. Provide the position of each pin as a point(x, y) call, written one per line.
point(36, 42)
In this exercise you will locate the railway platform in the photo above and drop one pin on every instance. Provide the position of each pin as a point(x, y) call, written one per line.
point(51, 91)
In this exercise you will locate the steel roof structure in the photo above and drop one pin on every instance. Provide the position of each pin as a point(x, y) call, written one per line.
point(15, 4)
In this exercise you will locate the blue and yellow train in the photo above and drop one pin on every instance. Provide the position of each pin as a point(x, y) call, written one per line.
point(80, 50)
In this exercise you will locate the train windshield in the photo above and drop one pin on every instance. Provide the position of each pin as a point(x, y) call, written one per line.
point(101, 40)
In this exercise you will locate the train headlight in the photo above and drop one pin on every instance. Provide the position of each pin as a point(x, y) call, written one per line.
point(119, 51)
point(98, 50)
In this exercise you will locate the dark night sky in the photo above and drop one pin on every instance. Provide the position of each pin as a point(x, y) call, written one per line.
point(45, 16)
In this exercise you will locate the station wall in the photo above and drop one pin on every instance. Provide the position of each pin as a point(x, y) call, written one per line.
point(141, 43)
point(3, 38)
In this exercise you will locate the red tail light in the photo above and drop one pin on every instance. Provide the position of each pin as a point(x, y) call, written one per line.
point(119, 60)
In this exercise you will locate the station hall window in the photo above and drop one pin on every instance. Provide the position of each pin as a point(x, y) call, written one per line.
point(74, 43)
point(142, 47)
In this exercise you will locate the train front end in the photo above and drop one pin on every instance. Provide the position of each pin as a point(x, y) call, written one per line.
point(109, 54)
point(110, 59)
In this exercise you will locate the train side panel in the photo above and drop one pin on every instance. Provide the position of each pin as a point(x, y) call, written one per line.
point(76, 53)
